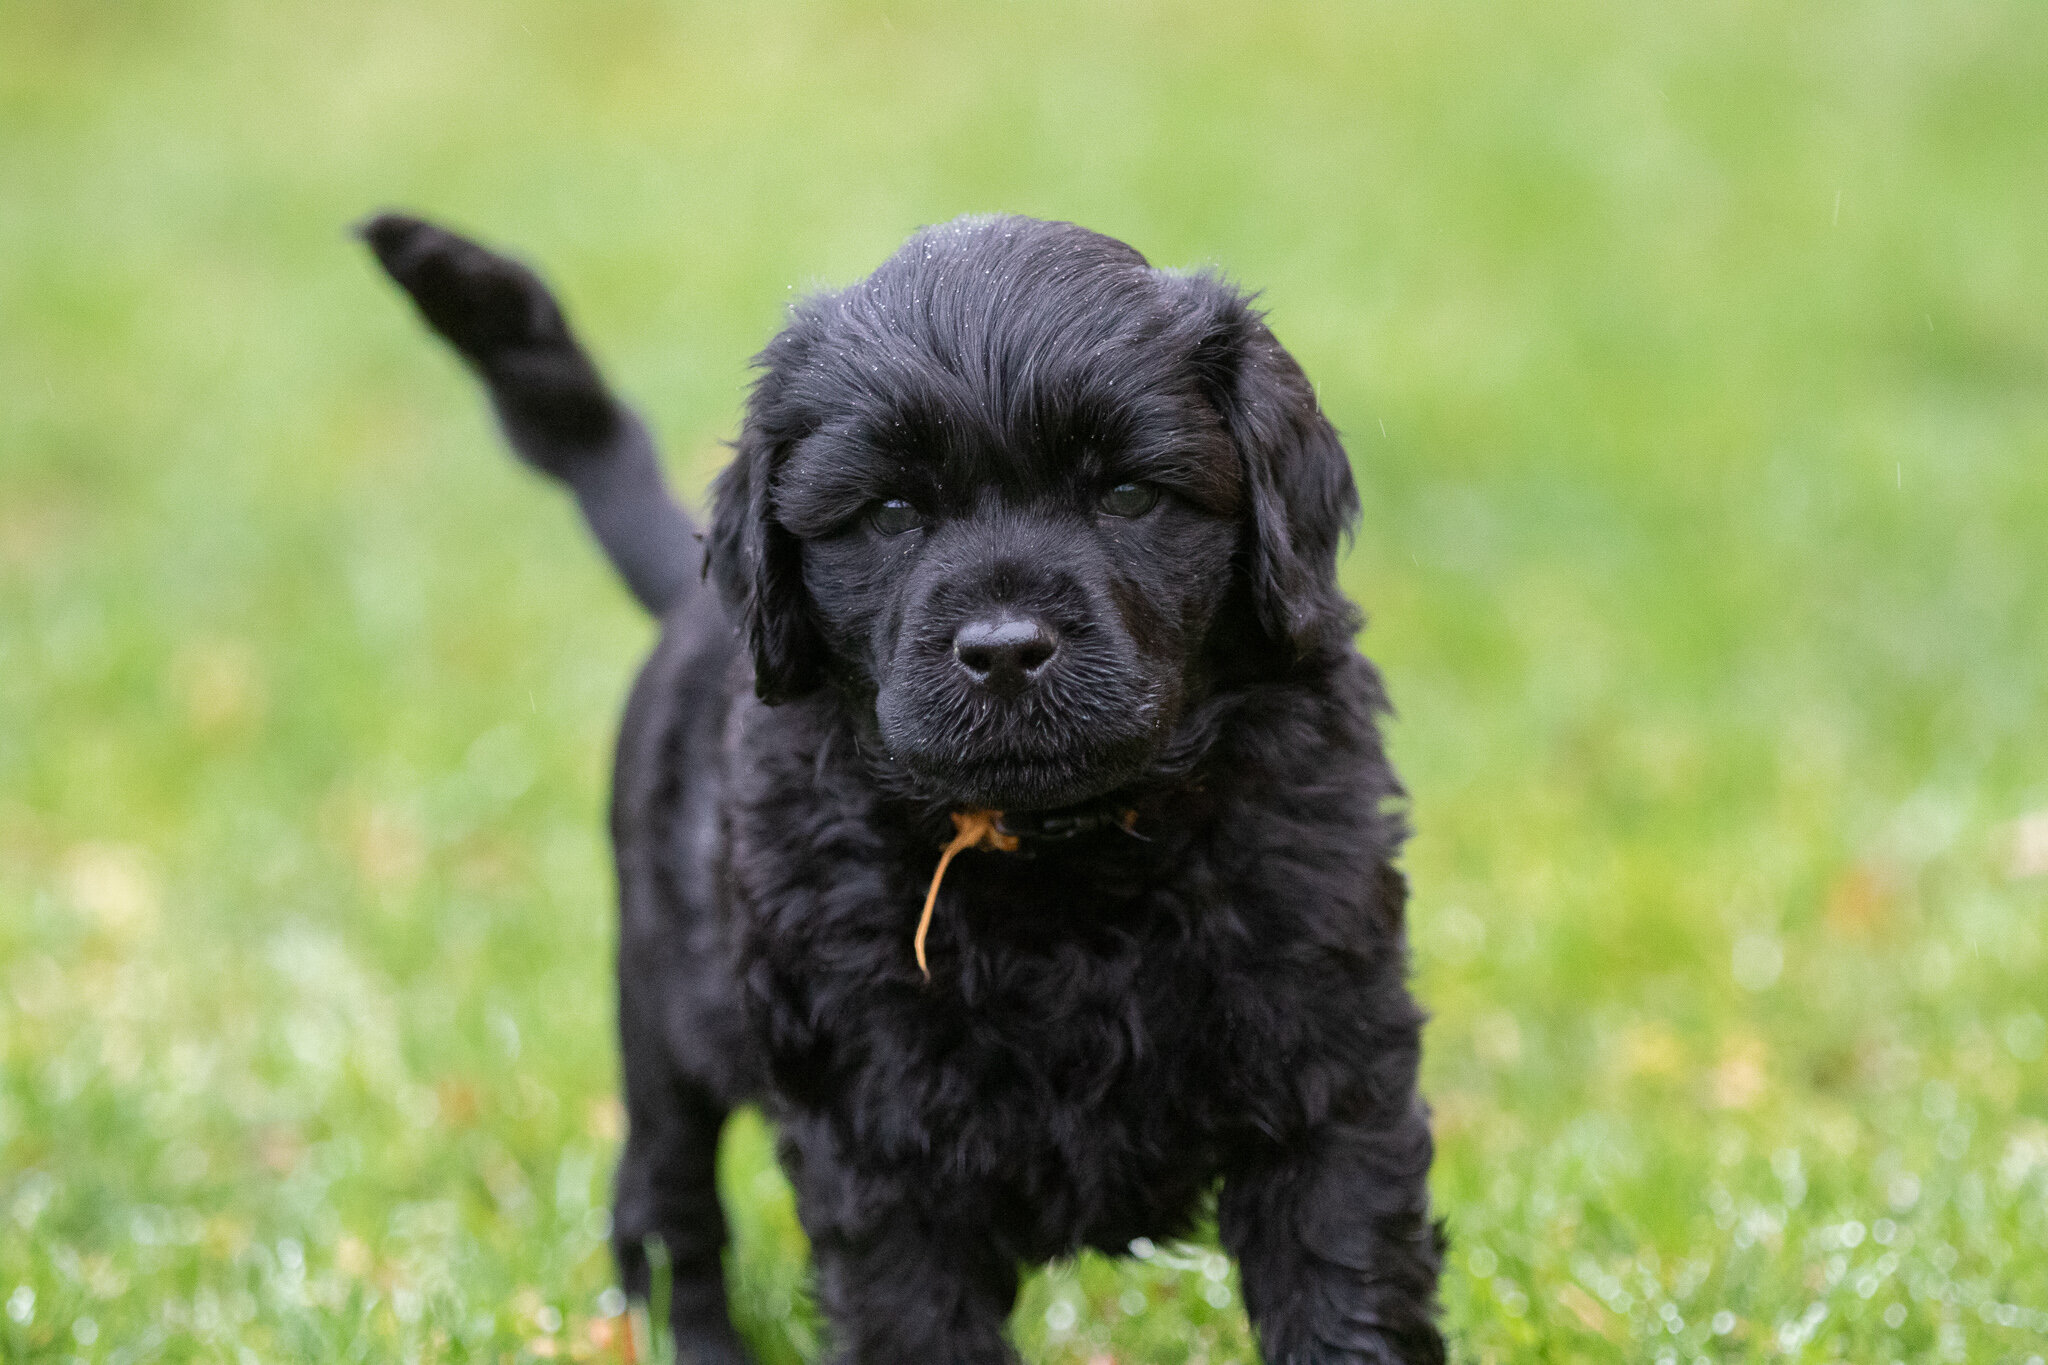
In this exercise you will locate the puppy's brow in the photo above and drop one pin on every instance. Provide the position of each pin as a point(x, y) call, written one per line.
point(1199, 465)
point(829, 480)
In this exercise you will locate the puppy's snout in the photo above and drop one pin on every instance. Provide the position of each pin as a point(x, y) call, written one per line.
point(1005, 649)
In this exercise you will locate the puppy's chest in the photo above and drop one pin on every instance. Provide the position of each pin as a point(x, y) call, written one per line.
point(1091, 1042)
point(1089, 1106)
point(1100, 991)
point(1127, 1035)
point(1117, 1041)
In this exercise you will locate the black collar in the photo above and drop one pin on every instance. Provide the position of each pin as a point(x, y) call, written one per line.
point(1067, 822)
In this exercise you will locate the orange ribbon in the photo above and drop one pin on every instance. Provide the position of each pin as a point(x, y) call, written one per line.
point(971, 829)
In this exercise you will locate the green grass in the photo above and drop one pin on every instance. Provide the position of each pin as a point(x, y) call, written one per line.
point(1695, 366)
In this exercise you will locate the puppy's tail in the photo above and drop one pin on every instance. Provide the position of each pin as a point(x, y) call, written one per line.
point(552, 403)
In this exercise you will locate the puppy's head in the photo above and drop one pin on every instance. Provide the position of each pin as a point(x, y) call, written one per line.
point(1020, 499)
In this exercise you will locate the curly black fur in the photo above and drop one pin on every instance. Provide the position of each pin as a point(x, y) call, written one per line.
point(1116, 1021)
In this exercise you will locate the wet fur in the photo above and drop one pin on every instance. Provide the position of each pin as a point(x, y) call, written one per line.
point(1116, 1025)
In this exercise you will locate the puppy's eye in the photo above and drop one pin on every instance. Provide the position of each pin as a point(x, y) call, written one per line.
point(894, 517)
point(1130, 499)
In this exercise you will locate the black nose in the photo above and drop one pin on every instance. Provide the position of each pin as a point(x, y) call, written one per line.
point(1004, 648)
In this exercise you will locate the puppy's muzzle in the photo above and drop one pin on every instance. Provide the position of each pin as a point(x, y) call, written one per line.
point(1004, 650)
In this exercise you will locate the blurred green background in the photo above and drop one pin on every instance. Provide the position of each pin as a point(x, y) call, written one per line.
point(1692, 360)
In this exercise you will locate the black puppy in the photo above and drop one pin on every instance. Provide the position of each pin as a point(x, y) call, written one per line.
point(1028, 550)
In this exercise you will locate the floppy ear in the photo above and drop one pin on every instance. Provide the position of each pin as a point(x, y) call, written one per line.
point(1298, 484)
point(757, 566)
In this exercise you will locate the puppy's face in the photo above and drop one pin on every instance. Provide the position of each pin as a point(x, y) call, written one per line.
point(1024, 602)
point(994, 495)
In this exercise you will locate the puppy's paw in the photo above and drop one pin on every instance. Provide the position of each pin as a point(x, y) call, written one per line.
point(489, 307)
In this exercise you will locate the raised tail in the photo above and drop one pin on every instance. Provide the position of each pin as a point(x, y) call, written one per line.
point(551, 401)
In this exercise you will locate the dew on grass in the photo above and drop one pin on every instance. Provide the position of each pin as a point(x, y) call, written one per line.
point(31, 1197)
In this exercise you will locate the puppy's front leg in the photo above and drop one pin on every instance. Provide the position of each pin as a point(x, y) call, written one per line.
point(907, 1292)
point(1335, 1245)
